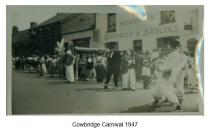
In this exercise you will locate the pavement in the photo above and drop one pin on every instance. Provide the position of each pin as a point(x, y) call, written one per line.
point(32, 94)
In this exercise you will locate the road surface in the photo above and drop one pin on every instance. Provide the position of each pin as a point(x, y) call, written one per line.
point(32, 94)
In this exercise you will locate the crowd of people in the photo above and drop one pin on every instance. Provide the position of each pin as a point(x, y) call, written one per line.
point(43, 65)
point(82, 67)
point(168, 71)
point(127, 66)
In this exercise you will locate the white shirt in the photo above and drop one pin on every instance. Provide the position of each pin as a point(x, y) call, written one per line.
point(175, 61)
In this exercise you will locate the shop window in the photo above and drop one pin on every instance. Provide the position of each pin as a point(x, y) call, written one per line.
point(137, 45)
point(111, 22)
point(83, 42)
point(167, 16)
point(111, 45)
point(188, 25)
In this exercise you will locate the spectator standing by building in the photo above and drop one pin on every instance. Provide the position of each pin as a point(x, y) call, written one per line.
point(124, 70)
point(100, 69)
point(82, 65)
point(90, 67)
point(146, 74)
point(139, 62)
point(54, 62)
point(104, 60)
point(128, 70)
point(43, 67)
point(146, 71)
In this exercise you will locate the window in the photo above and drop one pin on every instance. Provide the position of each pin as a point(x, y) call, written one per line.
point(167, 16)
point(163, 42)
point(83, 42)
point(111, 22)
point(111, 45)
point(137, 45)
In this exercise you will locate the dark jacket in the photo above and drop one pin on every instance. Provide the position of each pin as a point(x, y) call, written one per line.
point(115, 60)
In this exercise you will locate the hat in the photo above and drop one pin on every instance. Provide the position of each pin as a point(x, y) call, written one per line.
point(68, 52)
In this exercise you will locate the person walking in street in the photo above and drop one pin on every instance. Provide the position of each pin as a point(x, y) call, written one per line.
point(113, 66)
point(69, 63)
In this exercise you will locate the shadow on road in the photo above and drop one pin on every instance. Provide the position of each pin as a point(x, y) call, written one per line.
point(140, 109)
point(57, 82)
point(101, 89)
point(98, 89)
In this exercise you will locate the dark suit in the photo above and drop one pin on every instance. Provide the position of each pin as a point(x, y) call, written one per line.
point(113, 67)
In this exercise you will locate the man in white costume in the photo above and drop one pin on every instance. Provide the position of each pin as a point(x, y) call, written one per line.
point(170, 85)
point(69, 66)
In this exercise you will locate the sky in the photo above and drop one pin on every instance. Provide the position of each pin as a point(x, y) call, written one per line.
point(21, 15)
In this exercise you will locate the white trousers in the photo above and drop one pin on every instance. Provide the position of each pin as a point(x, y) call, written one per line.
point(70, 73)
point(179, 90)
point(129, 79)
point(165, 90)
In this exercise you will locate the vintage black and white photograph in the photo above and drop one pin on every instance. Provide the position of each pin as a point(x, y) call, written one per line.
point(110, 60)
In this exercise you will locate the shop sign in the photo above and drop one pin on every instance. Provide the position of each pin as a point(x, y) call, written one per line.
point(141, 32)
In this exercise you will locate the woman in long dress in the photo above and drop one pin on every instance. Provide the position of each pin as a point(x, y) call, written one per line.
point(100, 69)
point(69, 66)
point(90, 67)
point(124, 70)
point(43, 67)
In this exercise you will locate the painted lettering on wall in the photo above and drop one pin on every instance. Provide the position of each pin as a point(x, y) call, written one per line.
point(140, 32)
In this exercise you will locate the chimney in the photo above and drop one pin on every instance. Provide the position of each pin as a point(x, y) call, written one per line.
point(15, 29)
point(33, 25)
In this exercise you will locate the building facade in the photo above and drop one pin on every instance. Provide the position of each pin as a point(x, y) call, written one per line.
point(115, 26)
point(162, 24)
